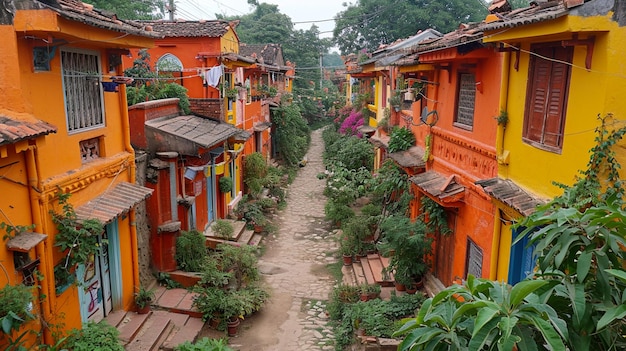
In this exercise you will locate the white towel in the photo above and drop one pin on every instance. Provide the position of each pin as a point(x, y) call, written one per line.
point(213, 75)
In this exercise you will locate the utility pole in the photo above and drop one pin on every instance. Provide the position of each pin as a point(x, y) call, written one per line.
point(171, 8)
point(321, 70)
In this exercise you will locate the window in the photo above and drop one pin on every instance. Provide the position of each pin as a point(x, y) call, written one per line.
point(465, 101)
point(89, 149)
point(82, 90)
point(169, 63)
point(474, 264)
point(548, 81)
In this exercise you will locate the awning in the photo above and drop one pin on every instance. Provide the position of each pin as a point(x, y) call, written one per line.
point(13, 130)
point(113, 203)
point(413, 157)
point(381, 141)
point(188, 134)
point(510, 194)
point(259, 127)
point(25, 241)
point(445, 190)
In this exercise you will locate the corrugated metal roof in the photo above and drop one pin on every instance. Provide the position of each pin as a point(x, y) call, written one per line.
point(509, 193)
point(186, 134)
point(13, 130)
point(442, 188)
point(113, 203)
point(413, 157)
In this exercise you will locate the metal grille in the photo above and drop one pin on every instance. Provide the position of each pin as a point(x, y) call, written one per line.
point(82, 89)
point(467, 97)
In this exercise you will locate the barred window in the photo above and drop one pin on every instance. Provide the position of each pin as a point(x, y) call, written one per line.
point(82, 90)
point(465, 100)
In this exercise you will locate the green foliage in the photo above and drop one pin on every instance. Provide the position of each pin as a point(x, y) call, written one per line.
point(437, 217)
point(486, 315)
point(254, 172)
point(388, 186)
point(132, 10)
point(15, 306)
point(190, 251)
point(367, 24)
point(337, 211)
point(350, 152)
point(226, 184)
point(400, 139)
point(164, 279)
point(94, 337)
point(204, 344)
point(292, 134)
point(409, 244)
point(12, 231)
point(78, 238)
point(223, 229)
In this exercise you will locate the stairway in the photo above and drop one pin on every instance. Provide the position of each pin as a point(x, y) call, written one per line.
point(241, 236)
point(172, 321)
point(370, 270)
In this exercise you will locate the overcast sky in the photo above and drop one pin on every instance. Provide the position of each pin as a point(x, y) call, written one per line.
point(298, 10)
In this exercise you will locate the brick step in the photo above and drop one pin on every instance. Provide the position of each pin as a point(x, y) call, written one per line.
point(377, 266)
point(359, 272)
point(130, 325)
point(151, 334)
point(176, 300)
point(187, 331)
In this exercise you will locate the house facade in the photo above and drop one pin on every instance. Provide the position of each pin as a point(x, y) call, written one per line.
point(562, 68)
point(65, 129)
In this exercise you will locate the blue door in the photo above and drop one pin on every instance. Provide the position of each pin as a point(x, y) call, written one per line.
point(521, 261)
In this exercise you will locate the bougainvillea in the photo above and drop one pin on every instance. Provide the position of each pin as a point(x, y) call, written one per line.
point(350, 124)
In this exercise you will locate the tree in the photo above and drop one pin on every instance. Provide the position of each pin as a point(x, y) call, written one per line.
point(370, 23)
point(132, 9)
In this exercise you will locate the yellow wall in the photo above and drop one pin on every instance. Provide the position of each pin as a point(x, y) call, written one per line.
point(591, 92)
point(229, 42)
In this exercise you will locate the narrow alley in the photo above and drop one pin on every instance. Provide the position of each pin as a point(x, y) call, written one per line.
point(294, 267)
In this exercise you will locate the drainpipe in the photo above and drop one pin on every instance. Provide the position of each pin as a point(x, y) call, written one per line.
point(33, 172)
point(504, 92)
point(497, 228)
point(134, 247)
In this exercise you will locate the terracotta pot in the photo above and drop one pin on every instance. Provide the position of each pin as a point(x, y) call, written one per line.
point(258, 228)
point(400, 287)
point(411, 289)
point(215, 321)
point(364, 297)
point(347, 260)
point(419, 282)
point(144, 310)
point(233, 326)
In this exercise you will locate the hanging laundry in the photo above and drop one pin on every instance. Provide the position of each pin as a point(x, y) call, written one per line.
point(213, 75)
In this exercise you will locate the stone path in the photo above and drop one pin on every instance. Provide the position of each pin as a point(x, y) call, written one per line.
point(294, 266)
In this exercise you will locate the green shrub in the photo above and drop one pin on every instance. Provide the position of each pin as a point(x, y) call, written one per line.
point(190, 251)
point(94, 337)
point(400, 139)
point(204, 344)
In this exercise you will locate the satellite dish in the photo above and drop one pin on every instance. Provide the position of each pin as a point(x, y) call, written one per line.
point(426, 118)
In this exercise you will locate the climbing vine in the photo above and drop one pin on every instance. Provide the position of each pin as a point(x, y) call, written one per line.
point(78, 238)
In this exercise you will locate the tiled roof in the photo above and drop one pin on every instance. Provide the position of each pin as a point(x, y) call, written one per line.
point(543, 11)
point(113, 203)
point(442, 188)
point(413, 157)
point(13, 130)
point(509, 193)
point(271, 54)
point(188, 134)
point(190, 29)
point(76, 10)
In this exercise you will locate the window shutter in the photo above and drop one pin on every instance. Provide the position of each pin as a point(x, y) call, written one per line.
point(545, 109)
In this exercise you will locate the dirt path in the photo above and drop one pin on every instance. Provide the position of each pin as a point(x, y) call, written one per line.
point(294, 266)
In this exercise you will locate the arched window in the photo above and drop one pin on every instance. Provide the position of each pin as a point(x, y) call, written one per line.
point(169, 63)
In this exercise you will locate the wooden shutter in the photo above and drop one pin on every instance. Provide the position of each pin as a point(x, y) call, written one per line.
point(547, 95)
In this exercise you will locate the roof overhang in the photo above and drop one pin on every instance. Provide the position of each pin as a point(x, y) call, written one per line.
point(380, 141)
point(509, 194)
point(443, 190)
point(26, 127)
point(25, 241)
point(411, 158)
point(113, 203)
point(189, 135)
point(261, 126)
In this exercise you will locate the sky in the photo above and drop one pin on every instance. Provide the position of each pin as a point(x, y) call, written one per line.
point(298, 10)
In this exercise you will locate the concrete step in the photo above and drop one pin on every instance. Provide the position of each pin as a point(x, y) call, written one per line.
point(152, 333)
point(177, 301)
point(238, 229)
point(377, 266)
point(115, 318)
point(367, 272)
point(359, 273)
point(189, 331)
point(245, 237)
point(256, 239)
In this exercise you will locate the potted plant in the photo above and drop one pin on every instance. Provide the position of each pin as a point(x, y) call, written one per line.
point(396, 100)
point(226, 184)
point(143, 299)
point(369, 291)
point(222, 229)
point(410, 246)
